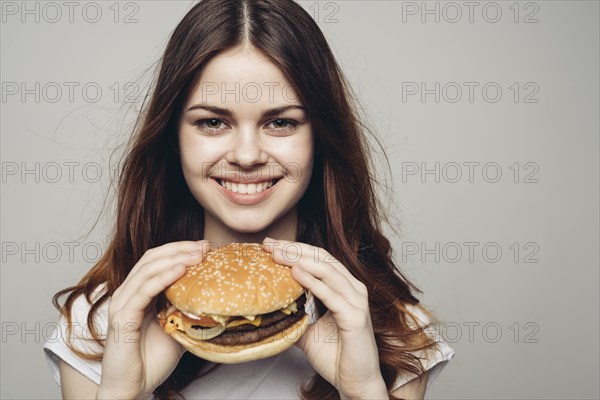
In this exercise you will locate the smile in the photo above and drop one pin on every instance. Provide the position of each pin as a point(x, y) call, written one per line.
point(247, 188)
point(248, 193)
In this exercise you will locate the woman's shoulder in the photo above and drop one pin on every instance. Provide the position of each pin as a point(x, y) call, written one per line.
point(435, 359)
point(443, 351)
point(77, 336)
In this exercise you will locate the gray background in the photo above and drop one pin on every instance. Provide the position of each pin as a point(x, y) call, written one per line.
point(523, 322)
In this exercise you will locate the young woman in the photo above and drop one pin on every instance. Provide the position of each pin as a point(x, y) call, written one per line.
point(251, 133)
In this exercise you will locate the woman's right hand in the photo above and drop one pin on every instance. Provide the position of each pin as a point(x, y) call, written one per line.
point(138, 354)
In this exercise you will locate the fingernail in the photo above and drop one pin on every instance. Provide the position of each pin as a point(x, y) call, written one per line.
point(268, 239)
point(179, 268)
point(203, 244)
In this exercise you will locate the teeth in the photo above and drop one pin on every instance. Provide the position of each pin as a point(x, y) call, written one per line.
point(243, 188)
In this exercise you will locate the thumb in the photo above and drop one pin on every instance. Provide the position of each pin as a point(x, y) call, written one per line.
point(308, 338)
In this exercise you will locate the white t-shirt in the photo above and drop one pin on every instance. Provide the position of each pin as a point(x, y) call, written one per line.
point(278, 377)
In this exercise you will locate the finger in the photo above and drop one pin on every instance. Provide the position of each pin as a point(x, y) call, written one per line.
point(325, 256)
point(134, 309)
point(170, 249)
point(311, 333)
point(317, 253)
point(324, 272)
point(151, 269)
point(332, 300)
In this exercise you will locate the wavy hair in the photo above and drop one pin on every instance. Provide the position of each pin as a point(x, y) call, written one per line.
point(340, 210)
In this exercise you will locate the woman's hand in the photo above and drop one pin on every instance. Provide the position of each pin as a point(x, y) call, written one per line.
point(340, 345)
point(138, 355)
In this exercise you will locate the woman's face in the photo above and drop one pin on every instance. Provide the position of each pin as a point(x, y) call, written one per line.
point(246, 143)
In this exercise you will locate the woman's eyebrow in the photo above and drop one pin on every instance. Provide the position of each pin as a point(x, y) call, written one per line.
point(228, 113)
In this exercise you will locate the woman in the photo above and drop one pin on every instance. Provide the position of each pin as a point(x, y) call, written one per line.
point(250, 134)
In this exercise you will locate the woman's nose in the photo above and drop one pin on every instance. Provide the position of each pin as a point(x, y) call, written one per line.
point(247, 149)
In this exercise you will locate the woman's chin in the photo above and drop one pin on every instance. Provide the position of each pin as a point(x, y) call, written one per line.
point(247, 226)
point(250, 225)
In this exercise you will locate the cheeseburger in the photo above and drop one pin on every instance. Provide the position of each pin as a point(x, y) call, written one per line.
point(237, 305)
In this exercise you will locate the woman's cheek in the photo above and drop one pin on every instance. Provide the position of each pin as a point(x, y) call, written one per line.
point(197, 155)
point(298, 148)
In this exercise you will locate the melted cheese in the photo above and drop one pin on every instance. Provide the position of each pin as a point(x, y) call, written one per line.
point(237, 322)
point(220, 319)
point(291, 308)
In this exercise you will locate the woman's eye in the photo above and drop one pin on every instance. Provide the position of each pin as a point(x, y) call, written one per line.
point(210, 124)
point(283, 124)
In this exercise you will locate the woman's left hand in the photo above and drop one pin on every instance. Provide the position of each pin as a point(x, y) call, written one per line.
point(341, 345)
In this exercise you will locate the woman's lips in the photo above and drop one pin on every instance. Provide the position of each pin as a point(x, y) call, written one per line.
point(239, 197)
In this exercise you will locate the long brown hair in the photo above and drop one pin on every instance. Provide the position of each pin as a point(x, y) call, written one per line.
point(339, 211)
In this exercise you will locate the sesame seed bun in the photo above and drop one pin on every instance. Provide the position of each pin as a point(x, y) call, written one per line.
point(236, 279)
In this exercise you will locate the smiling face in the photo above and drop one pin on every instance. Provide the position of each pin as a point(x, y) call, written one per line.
point(246, 147)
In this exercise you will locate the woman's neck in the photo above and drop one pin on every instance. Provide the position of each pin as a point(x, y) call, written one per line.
point(218, 233)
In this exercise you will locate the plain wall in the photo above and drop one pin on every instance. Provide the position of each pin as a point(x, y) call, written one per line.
point(496, 189)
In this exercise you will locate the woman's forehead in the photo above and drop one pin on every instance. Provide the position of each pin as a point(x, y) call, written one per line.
point(243, 75)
